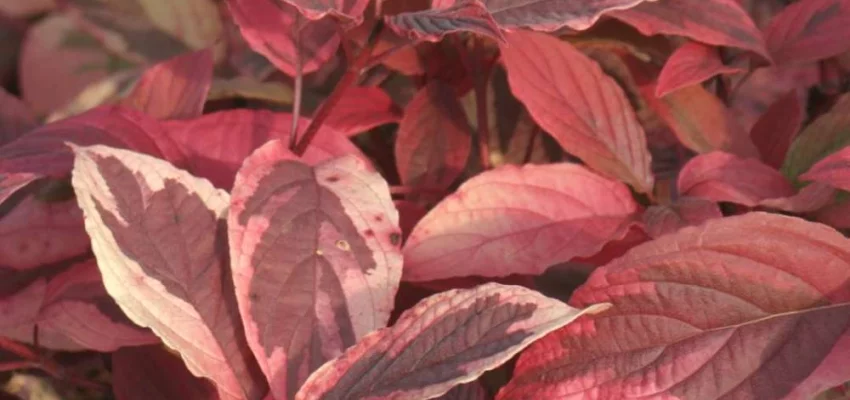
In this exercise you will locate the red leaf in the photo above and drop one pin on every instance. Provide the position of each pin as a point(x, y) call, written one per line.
point(159, 235)
point(836, 215)
point(777, 127)
point(715, 22)
point(316, 259)
point(687, 211)
point(834, 170)
point(548, 15)
point(434, 142)
point(267, 27)
point(701, 121)
point(216, 144)
point(16, 118)
point(809, 31)
point(318, 9)
point(691, 64)
point(579, 105)
point(445, 340)
point(176, 88)
point(706, 313)
point(151, 372)
point(518, 220)
point(721, 176)
point(11, 183)
point(361, 109)
point(432, 24)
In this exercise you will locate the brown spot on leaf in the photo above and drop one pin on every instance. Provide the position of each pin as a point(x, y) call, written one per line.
point(395, 238)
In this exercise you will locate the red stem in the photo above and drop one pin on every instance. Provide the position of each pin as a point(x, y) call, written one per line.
point(299, 87)
point(348, 79)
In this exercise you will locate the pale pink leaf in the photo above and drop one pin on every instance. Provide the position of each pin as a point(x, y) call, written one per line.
point(434, 142)
point(176, 88)
point(518, 220)
point(660, 220)
point(809, 30)
point(691, 64)
point(584, 109)
point(316, 259)
point(267, 27)
point(777, 127)
point(361, 109)
point(432, 24)
point(755, 306)
point(159, 235)
point(152, 372)
point(216, 144)
point(447, 339)
point(714, 22)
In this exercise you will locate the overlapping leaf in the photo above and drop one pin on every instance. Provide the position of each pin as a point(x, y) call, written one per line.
point(317, 9)
point(316, 259)
point(16, 118)
point(159, 235)
point(691, 64)
point(808, 31)
point(518, 220)
point(833, 170)
point(721, 176)
point(715, 22)
point(361, 109)
point(706, 313)
point(585, 110)
point(267, 26)
point(433, 24)
point(151, 372)
point(687, 211)
point(176, 88)
point(445, 340)
point(434, 141)
point(776, 129)
point(216, 144)
point(826, 135)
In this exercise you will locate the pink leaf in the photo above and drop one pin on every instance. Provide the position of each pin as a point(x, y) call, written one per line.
point(432, 24)
point(176, 88)
point(777, 127)
point(216, 144)
point(809, 31)
point(548, 15)
point(361, 109)
point(714, 22)
point(318, 9)
point(706, 313)
point(687, 211)
point(721, 176)
point(518, 220)
point(445, 340)
point(836, 215)
point(151, 372)
point(316, 259)
point(691, 64)
point(433, 143)
point(579, 105)
point(834, 170)
point(16, 118)
point(159, 235)
point(267, 27)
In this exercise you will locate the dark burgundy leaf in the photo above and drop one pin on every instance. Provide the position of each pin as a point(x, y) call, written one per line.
point(361, 109)
point(316, 259)
point(809, 30)
point(776, 129)
point(433, 24)
point(16, 118)
point(447, 339)
point(691, 64)
point(663, 219)
point(152, 372)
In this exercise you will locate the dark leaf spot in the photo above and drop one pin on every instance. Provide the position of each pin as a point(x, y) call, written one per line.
point(395, 238)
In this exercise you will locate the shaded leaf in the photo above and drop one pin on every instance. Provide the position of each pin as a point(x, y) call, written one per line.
point(16, 118)
point(660, 220)
point(447, 339)
point(316, 259)
point(826, 135)
point(361, 109)
point(267, 27)
point(701, 121)
point(152, 372)
point(466, 391)
point(250, 88)
point(585, 110)
point(691, 64)
point(835, 215)
point(547, 15)
point(159, 236)
point(434, 141)
point(777, 127)
point(834, 170)
point(433, 24)
point(714, 22)
point(19, 9)
point(808, 31)
point(518, 220)
point(176, 88)
point(705, 313)
point(216, 144)
point(721, 176)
